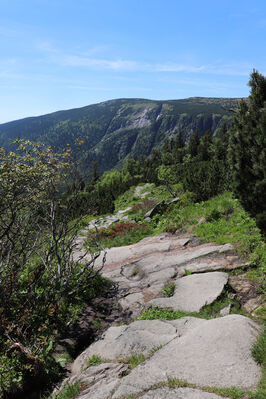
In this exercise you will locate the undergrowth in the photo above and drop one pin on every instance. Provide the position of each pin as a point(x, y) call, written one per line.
point(222, 220)
point(259, 354)
point(69, 391)
point(119, 234)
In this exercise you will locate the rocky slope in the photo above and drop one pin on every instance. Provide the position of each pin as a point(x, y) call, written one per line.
point(190, 357)
point(115, 129)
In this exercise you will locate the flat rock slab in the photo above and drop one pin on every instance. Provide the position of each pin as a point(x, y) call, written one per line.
point(123, 341)
point(179, 393)
point(142, 270)
point(193, 292)
point(213, 352)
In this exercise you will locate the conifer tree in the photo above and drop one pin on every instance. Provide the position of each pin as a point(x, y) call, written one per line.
point(247, 150)
point(194, 144)
point(180, 141)
point(204, 152)
point(221, 144)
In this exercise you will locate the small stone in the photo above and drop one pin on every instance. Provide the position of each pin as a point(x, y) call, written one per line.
point(225, 311)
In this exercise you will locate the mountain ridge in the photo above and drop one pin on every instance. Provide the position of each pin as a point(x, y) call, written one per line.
point(120, 128)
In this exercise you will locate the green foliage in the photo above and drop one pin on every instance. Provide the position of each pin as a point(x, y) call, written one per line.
point(63, 359)
point(259, 354)
point(135, 360)
point(206, 179)
point(69, 391)
point(97, 324)
point(122, 233)
point(247, 150)
point(259, 349)
point(205, 147)
point(162, 314)
point(194, 143)
point(42, 287)
point(94, 360)
point(168, 290)
point(206, 312)
point(231, 392)
point(107, 130)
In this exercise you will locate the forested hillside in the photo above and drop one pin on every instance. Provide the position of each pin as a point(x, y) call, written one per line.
point(113, 130)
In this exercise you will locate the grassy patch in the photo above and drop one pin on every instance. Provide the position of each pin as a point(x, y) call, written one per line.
point(259, 349)
point(206, 312)
point(222, 220)
point(172, 383)
point(231, 392)
point(135, 360)
point(128, 198)
point(163, 314)
point(259, 354)
point(168, 290)
point(139, 358)
point(122, 233)
point(98, 324)
point(68, 392)
point(94, 360)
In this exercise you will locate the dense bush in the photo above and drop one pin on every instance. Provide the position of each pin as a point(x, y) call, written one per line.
point(41, 284)
point(247, 150)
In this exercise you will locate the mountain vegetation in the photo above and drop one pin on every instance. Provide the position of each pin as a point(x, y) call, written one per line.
point(212, 159)
point(114, 130)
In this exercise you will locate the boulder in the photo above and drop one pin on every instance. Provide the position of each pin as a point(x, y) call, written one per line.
point(193, 292)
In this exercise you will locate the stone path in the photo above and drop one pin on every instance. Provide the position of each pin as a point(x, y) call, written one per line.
point(214, 353)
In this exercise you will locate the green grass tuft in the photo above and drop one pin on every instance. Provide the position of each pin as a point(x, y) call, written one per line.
point(94, 360)
point(168, 290)
point(68, 392)
point(135, 360)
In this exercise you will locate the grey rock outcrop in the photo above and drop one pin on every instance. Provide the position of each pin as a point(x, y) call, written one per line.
point(123, 341)
point(193, 292)
point(202, 352)
point(213, 352)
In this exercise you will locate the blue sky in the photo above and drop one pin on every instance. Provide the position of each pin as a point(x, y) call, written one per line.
point(60, 54)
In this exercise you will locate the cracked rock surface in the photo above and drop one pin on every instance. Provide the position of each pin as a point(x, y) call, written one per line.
point(214, 353)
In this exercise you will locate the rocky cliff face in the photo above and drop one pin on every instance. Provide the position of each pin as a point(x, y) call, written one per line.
point(115, 129)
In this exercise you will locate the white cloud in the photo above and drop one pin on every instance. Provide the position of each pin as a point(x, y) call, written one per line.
point(87, 59)
point(117, 65)
point(179, 68)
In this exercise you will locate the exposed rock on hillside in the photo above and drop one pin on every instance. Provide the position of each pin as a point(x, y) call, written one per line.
point(203, 352)
point(214, 353)
point(115, 129)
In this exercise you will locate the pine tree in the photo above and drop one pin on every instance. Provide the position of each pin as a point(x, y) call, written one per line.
point(180, 141)
point(247, 150)
point(221, 144)
point(204, 152)
point(194, 143)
